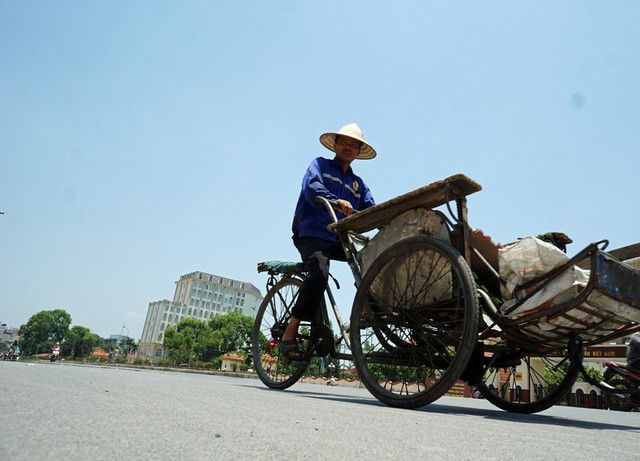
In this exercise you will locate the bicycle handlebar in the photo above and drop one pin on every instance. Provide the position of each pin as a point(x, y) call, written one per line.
point(329, 205)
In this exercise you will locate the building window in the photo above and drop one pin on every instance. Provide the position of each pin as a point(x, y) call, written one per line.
point(160, 338)
point(164, 317)
point(579, 397)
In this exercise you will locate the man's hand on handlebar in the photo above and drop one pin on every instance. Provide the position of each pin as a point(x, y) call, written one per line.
point(344, 207)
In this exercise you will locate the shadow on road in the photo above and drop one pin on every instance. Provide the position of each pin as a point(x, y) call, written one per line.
point(498, 415)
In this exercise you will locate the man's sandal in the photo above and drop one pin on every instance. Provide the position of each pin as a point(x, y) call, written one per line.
point(290, 352)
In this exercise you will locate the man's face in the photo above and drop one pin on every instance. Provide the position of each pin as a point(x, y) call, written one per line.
point(347, 148)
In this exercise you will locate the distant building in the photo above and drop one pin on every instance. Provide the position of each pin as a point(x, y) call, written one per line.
point(231, 362)
point(99, 352)
point(197, 295)
point(8, 335)
point(114, 339)
point(160, 314)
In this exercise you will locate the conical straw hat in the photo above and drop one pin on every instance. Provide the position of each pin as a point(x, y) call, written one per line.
point(352, 130)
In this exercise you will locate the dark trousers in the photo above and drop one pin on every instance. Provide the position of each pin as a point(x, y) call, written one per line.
point(316, 254)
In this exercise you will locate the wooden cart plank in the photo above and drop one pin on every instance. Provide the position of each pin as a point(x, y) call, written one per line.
point(623, 254)
point(429, 196)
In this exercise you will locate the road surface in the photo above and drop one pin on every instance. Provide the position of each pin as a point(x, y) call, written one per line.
point(55, 411)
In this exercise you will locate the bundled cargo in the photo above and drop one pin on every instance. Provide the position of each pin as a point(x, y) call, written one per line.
point(529, 259)
point(418, 221)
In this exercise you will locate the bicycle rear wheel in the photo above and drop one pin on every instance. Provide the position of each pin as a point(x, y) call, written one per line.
point(271, 320)
point(530, 383)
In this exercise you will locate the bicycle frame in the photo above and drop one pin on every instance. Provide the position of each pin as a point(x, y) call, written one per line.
point(349, 248)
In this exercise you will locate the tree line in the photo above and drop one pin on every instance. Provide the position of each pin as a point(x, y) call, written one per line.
point(200, 341)
point(49, 328)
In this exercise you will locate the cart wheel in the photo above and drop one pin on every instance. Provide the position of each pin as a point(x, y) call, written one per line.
point(530, 383)
point(271, 320)
point(414, 322)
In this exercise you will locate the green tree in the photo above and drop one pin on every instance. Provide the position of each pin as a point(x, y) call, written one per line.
point(195, 340)
point(107, 345)
point(235, 330)
point(79, 342)
point(553, 378)
point(127, 345)
point(43, 330)
point(191, 339)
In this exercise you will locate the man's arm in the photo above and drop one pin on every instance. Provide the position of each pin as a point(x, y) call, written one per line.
point(313, 185)
point(367, 198)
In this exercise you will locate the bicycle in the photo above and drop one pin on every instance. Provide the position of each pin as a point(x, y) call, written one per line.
point(420, 323)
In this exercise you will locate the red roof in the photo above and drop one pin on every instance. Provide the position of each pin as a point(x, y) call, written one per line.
point(99, 352)
point(232, 358)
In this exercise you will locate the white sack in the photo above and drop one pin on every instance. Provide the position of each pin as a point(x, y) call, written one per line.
point(530, 258)
point(561, 289)
point(525, 260)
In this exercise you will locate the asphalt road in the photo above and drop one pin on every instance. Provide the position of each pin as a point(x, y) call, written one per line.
point(54, 411)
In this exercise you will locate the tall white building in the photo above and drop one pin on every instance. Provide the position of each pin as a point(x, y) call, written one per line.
point(197, 295)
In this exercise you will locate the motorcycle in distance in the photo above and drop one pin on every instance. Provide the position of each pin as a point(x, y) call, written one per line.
point(619, 376)
point(12, 353)
point(55, 353)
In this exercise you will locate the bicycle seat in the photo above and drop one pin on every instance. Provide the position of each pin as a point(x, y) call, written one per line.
point(281, 267)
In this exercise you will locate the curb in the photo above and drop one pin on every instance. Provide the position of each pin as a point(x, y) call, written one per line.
point(142, 367)
point(304, 379)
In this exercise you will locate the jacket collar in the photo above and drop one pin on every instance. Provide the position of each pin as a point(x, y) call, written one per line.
point(337, 164)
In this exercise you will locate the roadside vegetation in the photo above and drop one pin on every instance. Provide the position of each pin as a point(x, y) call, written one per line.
point(49, 328)
point(201, 344)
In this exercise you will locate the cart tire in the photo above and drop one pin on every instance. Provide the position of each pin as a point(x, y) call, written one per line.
point(547, 401)
point(423, 342)
point(273, 372)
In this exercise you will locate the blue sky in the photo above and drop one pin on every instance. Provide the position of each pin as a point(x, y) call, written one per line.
point(143, 140)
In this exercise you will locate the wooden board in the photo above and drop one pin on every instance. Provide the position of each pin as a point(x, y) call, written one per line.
point(429, 196)
point(623, 254)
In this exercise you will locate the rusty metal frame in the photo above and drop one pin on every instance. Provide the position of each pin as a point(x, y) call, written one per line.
point(516, 330)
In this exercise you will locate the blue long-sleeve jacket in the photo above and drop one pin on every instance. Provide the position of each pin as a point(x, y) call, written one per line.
point(325, 177)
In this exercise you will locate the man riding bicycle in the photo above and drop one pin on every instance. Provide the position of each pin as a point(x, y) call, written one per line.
point(334, 180)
